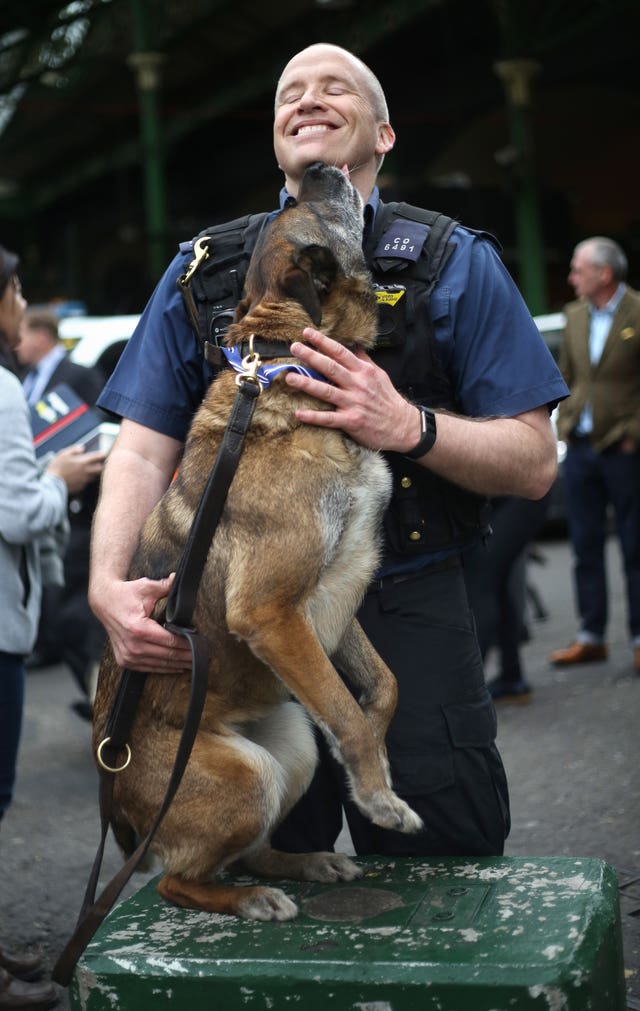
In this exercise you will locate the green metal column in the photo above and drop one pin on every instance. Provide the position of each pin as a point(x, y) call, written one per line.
point(146, 64)
point(516, 76)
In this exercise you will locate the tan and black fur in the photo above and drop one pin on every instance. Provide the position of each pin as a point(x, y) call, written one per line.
point(290, 561)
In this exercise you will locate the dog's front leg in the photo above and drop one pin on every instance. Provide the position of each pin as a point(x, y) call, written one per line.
point(365, 668)
point(319, 866)
point(285, 641)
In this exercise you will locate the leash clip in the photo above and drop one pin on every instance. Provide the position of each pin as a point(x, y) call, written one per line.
point(250, 365)
point(200, 253)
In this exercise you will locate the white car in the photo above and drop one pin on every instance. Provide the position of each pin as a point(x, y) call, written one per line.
point(97, 340)
point(551, 327)
point(100, 340)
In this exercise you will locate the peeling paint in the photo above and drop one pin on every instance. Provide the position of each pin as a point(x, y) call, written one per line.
point(376, 1005)
point(555, 998)
point(470, 934)
point(552, 951)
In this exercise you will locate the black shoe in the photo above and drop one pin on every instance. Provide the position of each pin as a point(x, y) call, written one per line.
point(15, 993)
point(37, 660)
point(84, 709)
point(502, 690)
point(23, 966)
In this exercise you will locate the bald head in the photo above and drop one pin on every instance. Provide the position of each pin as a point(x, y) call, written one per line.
point(369, 80)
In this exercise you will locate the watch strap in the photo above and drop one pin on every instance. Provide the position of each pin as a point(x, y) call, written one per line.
point(427, 436)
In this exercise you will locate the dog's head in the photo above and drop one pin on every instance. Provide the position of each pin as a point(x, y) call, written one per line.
point(308, 269)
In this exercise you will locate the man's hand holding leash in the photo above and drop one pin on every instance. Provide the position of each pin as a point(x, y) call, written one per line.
point(139, 641)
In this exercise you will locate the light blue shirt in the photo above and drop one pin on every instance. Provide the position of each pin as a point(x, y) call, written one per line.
point(36, 380)
point(599, 327)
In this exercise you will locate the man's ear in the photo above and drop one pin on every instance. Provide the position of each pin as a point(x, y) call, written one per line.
point(386, 138)
point(309, 278)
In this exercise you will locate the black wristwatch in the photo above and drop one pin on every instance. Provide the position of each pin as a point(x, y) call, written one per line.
point(428, 433)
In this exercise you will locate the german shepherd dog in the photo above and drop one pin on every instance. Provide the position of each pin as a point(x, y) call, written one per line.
point(291, 558)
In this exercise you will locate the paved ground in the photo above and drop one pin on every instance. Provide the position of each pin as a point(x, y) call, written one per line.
point(571, 756)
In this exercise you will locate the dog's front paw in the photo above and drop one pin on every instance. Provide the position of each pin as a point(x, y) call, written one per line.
point(329, 867)
point(266, 904)
point(389, 811)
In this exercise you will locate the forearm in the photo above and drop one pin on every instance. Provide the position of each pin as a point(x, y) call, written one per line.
point(130, 490)
point(494, 456)
point(497, 456)
point(137, 473)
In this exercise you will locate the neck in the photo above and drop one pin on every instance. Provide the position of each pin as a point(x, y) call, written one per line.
point(604, 296)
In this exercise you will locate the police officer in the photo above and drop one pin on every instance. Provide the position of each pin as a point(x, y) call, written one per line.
point(473, 353)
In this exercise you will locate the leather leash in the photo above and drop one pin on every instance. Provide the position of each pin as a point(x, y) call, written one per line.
point(178, 618)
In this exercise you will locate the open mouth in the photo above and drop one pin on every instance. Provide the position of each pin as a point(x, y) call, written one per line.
point(308, 130)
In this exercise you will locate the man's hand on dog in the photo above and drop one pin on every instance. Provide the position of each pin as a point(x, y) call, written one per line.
point(139, 641)
point(365, 404)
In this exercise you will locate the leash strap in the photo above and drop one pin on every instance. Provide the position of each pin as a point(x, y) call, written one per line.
point(94, 911)
point(182, 596)
point(179, 612)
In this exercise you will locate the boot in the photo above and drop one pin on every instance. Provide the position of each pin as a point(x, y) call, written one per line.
point(23, 966)
point(16, 994)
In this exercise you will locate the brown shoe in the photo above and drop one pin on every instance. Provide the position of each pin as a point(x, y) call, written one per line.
point(27, 967)
point(16, 994)
point(579, 652)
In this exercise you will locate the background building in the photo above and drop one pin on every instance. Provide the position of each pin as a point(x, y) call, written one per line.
point(129, 125)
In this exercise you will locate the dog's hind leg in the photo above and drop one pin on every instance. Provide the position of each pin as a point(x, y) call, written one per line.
point(228, 802)
point(250, 902)
point(286, 734)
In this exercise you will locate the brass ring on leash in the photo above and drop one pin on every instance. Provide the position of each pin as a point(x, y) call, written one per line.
point(109, 768)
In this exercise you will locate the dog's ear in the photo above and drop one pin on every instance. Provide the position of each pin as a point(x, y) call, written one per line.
point(309, 279)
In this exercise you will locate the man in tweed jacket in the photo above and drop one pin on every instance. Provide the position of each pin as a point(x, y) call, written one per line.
point(600, 422)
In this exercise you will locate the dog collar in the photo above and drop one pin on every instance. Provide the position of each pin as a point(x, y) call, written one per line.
point(267, 373)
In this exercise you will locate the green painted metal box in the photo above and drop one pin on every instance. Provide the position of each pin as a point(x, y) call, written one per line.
point(492, 934)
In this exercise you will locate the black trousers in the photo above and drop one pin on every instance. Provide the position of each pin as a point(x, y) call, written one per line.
point(592, 481)
point(497, 601)
point(441, 741)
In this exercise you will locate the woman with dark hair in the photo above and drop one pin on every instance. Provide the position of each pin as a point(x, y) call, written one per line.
point(32, 503)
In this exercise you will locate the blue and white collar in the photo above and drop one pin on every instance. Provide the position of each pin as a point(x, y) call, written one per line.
point(267, 373)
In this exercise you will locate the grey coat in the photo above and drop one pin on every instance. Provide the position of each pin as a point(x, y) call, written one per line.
point(32, 503)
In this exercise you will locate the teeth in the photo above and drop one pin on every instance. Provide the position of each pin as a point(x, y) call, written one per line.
point(320, 128)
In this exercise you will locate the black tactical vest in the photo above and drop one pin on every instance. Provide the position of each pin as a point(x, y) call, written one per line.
point(426, 513)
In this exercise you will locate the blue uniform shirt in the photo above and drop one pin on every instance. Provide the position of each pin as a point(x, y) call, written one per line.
point(499, 362)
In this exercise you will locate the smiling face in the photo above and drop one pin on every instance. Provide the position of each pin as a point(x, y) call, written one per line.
point(329, 109)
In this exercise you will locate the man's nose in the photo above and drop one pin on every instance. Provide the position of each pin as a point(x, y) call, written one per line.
point(310, 99)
